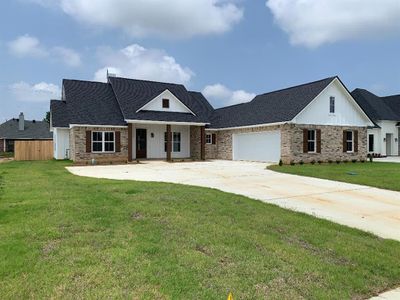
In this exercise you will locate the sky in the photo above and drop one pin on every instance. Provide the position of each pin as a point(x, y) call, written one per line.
point(230, 50)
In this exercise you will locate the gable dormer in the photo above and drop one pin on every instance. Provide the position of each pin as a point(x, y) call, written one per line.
point(166, 102)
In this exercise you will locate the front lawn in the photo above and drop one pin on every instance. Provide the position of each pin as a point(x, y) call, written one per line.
point(63, 236)
point(376, 174)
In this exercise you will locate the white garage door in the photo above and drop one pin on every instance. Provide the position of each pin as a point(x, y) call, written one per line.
point(257, 146)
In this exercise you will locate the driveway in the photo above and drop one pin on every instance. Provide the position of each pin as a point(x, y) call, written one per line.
point(370, 209)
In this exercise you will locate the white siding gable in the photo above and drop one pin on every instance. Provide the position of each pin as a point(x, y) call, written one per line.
point(347, 111)
point(175, 105)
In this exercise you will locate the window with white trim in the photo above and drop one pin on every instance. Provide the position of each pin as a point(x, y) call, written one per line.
point(208, 138)
point(103, 141)
point(176, 141)
point(370, 143)
point(332, 105)
point(312, 141)
point(349, 141)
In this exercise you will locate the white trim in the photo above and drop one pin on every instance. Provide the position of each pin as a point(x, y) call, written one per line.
point(164, 122)
point(314, 140)
point(99, 126)
point(347, 93)
point(103, 141)
point(148, 103)
point(352, 141)
point(209, 134)
point(248, 126)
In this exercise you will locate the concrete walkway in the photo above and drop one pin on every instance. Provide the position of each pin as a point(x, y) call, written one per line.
point(370, 209)
point(392, 159)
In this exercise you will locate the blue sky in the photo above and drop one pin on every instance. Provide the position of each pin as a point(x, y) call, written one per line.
point(228, 49)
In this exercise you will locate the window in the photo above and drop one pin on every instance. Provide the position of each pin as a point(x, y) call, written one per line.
point(208, 138)
point(349, 141)
point(371, 143)
point(332, 105)
point(312, 144)
point(165, 103)
point(177, 142)
point(103, 141)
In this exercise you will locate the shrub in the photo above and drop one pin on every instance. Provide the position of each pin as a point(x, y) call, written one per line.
point(292, 163)
point(354, 161)
point(301, 162)
point(330, 161)
point(320, 161)
point(313, 162)
point(338, 161)
point(345, 161)
point(371, 158)
point(280, 162)
point(362, 160)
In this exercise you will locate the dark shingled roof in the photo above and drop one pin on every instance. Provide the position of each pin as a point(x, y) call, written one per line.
point(91, 103)
point(278, 106)
point(59, 113)
point(133, 94)
point(35, 130)
point(378, 108)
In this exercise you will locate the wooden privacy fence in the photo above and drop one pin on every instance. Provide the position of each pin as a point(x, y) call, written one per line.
point(33, 150)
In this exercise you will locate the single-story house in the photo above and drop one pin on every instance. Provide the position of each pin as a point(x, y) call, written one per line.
point(127, 119)
point(383, 138)
point(21, 129)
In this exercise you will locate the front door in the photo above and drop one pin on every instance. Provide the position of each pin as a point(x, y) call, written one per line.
point(141, 143)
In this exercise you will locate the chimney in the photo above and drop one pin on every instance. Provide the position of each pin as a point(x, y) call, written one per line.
point(21, 121)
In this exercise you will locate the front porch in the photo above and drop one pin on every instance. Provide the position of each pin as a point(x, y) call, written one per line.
point(170, 142)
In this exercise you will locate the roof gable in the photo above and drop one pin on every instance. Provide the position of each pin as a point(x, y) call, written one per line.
point(347, 111)
point(175, 105)
point(274, 107)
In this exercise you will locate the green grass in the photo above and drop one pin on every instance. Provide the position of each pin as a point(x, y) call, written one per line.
point(63, 236)
point(377, 174)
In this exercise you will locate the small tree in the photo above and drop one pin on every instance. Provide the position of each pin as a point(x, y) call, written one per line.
point(47, 117)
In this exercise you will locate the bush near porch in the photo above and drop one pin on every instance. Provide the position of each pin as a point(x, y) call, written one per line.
point(64, 236)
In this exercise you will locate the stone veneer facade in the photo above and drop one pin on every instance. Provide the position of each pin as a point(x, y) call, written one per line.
point(77, 136)
point(292, 143)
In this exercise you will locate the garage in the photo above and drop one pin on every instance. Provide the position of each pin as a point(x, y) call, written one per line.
point(257, 146)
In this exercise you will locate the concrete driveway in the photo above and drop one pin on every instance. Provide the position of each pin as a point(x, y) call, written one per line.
point(370, 209)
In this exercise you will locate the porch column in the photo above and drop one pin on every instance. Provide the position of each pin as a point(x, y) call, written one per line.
point(203, 143)
point(169, 143)
point(130, 145)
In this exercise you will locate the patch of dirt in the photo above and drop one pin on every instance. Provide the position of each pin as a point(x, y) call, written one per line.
point(204, 250)
point(328, 255)
point(5, 160)
point(136, 215)
point(49, 247)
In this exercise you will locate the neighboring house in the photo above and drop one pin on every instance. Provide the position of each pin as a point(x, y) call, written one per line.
point(21, 129)
point(127, 119)
point(384, 137)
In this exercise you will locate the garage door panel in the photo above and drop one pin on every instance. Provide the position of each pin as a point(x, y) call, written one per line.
point(257, 146)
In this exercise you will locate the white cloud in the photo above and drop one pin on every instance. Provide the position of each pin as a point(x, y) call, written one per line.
point(220, 95)
point(316, 22)
point(26, 45)
point(138, 62)
point(173, 18)
point(30, 46)
point(39, 92)
point(68, 56)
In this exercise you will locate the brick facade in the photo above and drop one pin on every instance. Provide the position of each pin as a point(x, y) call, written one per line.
point(292, 143)
point(78, 146)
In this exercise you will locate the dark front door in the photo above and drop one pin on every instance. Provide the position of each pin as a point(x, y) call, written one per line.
point(141, 143)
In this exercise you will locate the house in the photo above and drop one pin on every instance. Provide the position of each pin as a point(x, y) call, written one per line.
point(127, 119)
point(383, 138)
point(21, 129)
